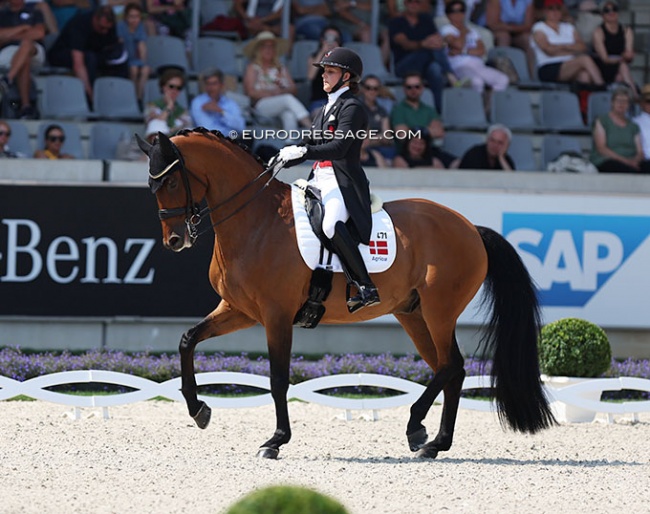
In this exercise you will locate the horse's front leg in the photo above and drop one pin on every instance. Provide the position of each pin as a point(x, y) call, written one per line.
point(223, 320)
point(279, 337)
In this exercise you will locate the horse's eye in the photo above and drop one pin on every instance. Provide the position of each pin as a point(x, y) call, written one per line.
point(172, 183)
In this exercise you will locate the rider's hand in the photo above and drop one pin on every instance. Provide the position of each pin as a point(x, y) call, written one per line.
point(291, 153)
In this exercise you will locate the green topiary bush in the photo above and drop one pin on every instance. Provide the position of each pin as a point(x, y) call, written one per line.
point(574, 347)
point(286, 500)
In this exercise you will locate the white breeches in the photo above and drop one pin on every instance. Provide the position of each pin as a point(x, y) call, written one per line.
point(481, 75)
point(333, 204)
point(286, 107)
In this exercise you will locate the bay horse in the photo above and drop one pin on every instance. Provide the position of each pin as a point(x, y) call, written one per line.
point(442, 260)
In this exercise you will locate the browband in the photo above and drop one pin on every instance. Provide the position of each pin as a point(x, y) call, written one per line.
point(165, 171)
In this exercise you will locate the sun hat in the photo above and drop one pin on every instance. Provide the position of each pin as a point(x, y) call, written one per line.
point(281, 44)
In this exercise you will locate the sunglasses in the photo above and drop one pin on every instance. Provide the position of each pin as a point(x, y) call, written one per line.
point(413, 86)
point(459, 9)
point(174, 86)
point(611, 8)
point(371, 88)
point(5, 133)
point(54, 139)
point(554, 8)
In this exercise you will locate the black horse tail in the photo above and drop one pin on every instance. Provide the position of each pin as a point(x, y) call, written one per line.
point(511, 337)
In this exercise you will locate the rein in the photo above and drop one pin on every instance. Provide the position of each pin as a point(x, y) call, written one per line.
point(193, 213)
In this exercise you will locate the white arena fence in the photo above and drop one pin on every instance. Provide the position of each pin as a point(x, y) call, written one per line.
point(580, 395)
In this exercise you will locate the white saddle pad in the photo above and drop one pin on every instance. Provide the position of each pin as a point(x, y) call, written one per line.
point(378, 256)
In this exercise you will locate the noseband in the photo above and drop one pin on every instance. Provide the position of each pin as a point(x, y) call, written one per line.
point(192, 210)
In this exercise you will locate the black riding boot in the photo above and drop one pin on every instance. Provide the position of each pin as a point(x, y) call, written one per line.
point(355, 269)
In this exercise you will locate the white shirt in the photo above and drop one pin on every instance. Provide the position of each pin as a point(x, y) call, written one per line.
point(471, 41)
point(564, 36)
point(643, 121)
point(333, 97)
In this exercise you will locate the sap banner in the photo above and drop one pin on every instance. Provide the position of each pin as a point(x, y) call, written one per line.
point(588, 253)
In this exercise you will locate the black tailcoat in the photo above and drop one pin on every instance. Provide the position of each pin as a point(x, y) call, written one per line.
point(346, 118)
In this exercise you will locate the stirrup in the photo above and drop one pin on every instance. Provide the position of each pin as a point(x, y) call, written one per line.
point(367, 296)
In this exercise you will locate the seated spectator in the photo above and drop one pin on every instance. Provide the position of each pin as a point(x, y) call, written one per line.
point(413, 114)
point(21, 31)
point(617, 140)
point(261, 16)
point(370, 157)
point(614, 47)
point(418, 46)
point(169, 18)
point(132, 34)
point(378, 118)
point(5, 134)
point(166, 108)
point(560, 51)
point(312, 16)
point(269, 85)
point(511, 22)
point(417, 153)
point(491, 155)
point(54, 139)
point(643, 121)
point(213, 110)
point(88, 44)
point(466, 50)
point(330, 38)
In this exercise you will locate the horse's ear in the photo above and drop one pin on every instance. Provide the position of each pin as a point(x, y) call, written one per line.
point(144, 145)
point(167, 147)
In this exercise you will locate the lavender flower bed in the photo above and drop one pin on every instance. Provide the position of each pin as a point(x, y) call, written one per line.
point(22, 365)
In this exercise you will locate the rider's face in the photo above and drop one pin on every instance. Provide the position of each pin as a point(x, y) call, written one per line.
point(331, 76)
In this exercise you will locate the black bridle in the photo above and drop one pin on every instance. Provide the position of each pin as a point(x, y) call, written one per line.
point(192, 210)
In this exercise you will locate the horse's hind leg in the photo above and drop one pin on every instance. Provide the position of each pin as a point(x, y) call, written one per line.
point(447, 363)
point(222, 320)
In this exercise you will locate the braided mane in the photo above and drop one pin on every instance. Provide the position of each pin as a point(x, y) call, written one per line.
point(216, 133)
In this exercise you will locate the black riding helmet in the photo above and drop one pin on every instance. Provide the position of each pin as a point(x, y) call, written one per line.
point(345, 59)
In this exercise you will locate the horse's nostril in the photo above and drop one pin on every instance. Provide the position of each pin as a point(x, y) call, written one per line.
point(175, 241)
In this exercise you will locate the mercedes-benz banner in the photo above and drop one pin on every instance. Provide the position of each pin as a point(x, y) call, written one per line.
point(95, 251)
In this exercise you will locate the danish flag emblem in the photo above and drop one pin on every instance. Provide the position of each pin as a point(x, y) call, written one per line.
point(378, 247)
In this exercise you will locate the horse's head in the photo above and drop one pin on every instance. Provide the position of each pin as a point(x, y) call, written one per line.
point(178, 192)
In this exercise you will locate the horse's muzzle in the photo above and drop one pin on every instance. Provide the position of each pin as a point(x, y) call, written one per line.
point(177, 243)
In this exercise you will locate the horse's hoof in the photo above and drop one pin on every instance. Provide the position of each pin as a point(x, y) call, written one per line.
point(417, 439)
point(427, 453)
point(202, 417)
point(268, 453)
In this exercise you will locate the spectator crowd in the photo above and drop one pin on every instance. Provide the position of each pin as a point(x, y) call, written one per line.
point(424, 49)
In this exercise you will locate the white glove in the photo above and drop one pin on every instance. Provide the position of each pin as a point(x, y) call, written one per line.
point(291, 153)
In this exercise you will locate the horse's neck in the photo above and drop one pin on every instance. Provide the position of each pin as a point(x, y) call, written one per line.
point(248, 208)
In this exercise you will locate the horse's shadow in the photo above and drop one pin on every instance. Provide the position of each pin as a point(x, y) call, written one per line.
point(490, 462)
